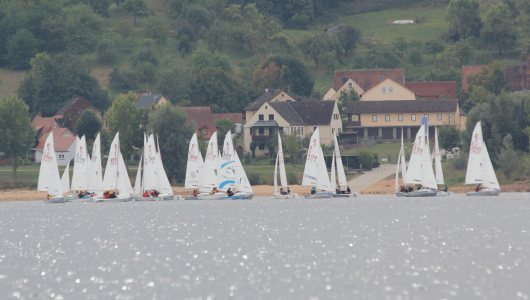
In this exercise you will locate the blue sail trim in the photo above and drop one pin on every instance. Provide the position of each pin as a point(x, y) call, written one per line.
point(224, 183)
point(225, 164)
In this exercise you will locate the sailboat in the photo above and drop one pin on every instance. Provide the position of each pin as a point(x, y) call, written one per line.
point(479, 167)
point(95, 173)
point(232, 172)
point(81, 171)
point(49, 180)
point(116, 177)
point(438, 166)
point(164, 187)
point(65, 180)
point(283, 178)
point(315, 171)
point(401, 160)
point(420, 169)
point(200, 176)
point(341, 176)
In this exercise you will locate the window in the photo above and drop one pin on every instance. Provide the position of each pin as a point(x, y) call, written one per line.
point(394, 77)
point(383, 90)
point(250, 131)
point(427, 116)
point(261, 117)
point(450, 116)
point(374, 118)
point(54, 125)
point(302, 132)
point(283, 95)
point(400, 117)
point(61, 156)
point(381, 78)
point(387, 118)
point(271, 117)
point(340, 129)
point(335, 116)
point(390, 90)
point(413, 117)
point(292, 130)
point(261, 147)
point(439, 117)
point(299, 130)
point(350, 85)
point(288, 100)
point(266, 106)
point(276, 100)
point(203, 132)
point(261, 130)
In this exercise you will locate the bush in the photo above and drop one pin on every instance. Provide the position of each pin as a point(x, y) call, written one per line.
point(253, 178)
point(366, 158)
point(460, 163)
point(292, 177)
point(122, 80)
point(376, 161)
point(106, 51)
point(247, 159)
point(21, 48)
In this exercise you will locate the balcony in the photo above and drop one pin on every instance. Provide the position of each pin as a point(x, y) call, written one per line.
point(353, 124)
point(261, 138)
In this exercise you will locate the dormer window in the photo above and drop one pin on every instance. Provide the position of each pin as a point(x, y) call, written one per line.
point(381, 78)
point(394, 77)
point(283, 95)
point(350, 85)
point(54, 125)
point(203, 132)
point(276, 100)
point(383, 90)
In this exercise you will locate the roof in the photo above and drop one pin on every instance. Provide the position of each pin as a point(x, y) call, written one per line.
point(433, 89)
point(270, 123)
point(466, 71)
point(59, 132)
point(305, 112)
point(60, 143)
point(401, 106)
point(202, 117)
point(75, 101)
point(148, 100)
point(366, 79)
point(266, 97)
point(39, 122)
point(234, 117)
point(366, 91)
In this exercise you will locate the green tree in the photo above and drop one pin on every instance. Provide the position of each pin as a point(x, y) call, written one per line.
point(16, 136)
point(400, 45)
point(169, 123)
point(296, 76)
point(381, 57)
point(174, 8)
point(414, 56)
point(223, 126)
point(292, 146)
point(217, 89)
point(463, 50)
point(345, 97)
point(124, 29)
point(124, 116)
point(199, 17)
point(492, 78)
point(477, 94)
point(366, 158)
point(286, 43)
point(175, 83)
point(508, 160)
point(106, 51)
point(434, 46)
point(21, 48)
point(81, 28)
point(137, 8)
point(449, 137)
point(88, 125)
point(323, 49)
point(100, 7)
point(122, 80)
point(202, 58)
point(156, 29)
point(349, 37)
point(500, 30)
point(464, 17)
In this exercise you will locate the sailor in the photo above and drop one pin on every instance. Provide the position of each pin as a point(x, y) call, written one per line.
point(146, 194)
point(338, 191)
point(445, 188)
point(80, 195)
point(93, 194)
point(229, 192)
point(288, 190)
point(477, 188)
point(348, 191)
point(48, 196)
point(113, 195)
point(194, 192)
point(213, 191)
point(154, 193)
point(106, 195)
point(281, 191)
point(313, 190)
point(411, 189)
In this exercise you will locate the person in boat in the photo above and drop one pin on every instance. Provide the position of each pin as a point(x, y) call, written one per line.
point(48, 196)
point(418, 187)
point(80, 195)
point(194, 192)
point(212, 191)
point(411, 189)
point(93, 194)
point(113, 195)
point(338, 191)
point(146, 194)
point(229, 192)
point(288, 191)
point(106, 195)
point(313, 190)
point(478, 188)
point(348, 191)
point(402, 189)
point(446, 189)
point(281, 191)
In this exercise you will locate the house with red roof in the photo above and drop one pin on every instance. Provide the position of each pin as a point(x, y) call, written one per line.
point(388, 89)
point(72, 110)
point(236, 118)
point(64, 142)
point(366, 79)
point(203, 119)
point(433, 89)
point(517, 75)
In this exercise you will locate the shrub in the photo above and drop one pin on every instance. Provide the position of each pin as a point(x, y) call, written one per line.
point(460, 163)
point(106, 51)
point(268, 180)
point(253, 178)
point(366, 158)
point(292, 177)
point(376, 161)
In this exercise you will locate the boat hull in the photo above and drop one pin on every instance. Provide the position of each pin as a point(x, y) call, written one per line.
point(289, 196)
point(485, 192)
point(319, 195)
point(161, 197)
point(100, 199)
point(420, 193)
point(352, 195)
point(238, 196)
point(442, 193)
point(57, 199)
point(74, 198)
point(205, 196)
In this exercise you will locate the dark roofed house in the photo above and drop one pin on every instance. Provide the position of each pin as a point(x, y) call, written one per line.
point(433, 90)
point(203, 119)
point(236, 118)
point(269, 95)
point(72, 110)
point(366, 79)
point(148, 101)
point(386, 118)
point(295, 117)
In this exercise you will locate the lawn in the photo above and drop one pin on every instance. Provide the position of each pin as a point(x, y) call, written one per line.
point(382, 150)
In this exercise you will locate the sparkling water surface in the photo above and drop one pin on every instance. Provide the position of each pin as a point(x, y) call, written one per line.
point(371, 247)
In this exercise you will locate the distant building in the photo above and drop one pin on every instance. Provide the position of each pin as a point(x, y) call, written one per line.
point(149, 101)
point(433, 89)
point(517, 75)
point(346, 87)
point(366, 79)
point(274, 95)
point(203, 119)
point(64, 142)
point(72, 110)
point(236, 118)
point(387, 89)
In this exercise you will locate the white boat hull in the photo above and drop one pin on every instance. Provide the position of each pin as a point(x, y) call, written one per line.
point(442, 193)
point(205, 196)
point(485, 192)
point(74, 198)
point(319, 195)
point(161, 197)
point(288, 196)
point(420, 193)
point(238, 196)
point(352, 195)
point(101, 199)
point(56, 199)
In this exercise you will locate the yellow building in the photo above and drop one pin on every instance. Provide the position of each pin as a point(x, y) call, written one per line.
point(386, 118)
point(348, 85)
point(273, 95)
point(148, 101)
point(388, 89)
point(291, 117)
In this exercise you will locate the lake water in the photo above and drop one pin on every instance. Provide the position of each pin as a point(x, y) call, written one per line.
point(372, 247)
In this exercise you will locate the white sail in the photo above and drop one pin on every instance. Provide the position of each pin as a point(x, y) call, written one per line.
point(242, 183)
point(48, 156)
point(437, 160)
point(276, 174)
point(124, 182)
point(208, 176)
point(322, 172)
point(414, 174)
point(164, 186)
point(403, 166)
point(427, 178)
point(95, 177)
point(311, 168)
point(192, 168)
point(397, 168)
point(111, 169)
point(489, 179)
point(340, 167)
point(81, 163)
point(65, 180)
point(149, 175)
point(281, 163)
point(138, 181)
point(226, 173)
point(474, 163)
point(333, 181)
